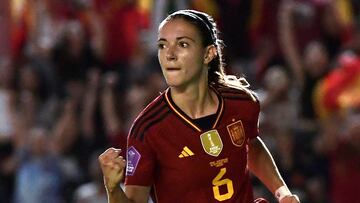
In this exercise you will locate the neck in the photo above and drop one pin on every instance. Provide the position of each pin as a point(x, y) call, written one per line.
point(196, 102)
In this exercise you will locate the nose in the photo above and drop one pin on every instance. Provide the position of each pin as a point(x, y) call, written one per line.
point(171, 54)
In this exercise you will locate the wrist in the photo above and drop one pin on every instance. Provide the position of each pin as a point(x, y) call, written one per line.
point(282, 192)
point(110, 187)
point(112, 190)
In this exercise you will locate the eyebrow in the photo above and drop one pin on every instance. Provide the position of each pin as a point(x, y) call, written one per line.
point(178, 38)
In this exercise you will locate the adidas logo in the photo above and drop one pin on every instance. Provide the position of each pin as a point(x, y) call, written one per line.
point(186, 152)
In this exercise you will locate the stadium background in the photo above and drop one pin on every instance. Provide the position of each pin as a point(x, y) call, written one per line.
point(75, 73)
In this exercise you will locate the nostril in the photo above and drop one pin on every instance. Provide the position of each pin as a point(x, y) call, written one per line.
point(170, 57)
point(171, 53)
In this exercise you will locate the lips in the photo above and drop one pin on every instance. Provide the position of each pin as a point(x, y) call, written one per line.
point(172, 69)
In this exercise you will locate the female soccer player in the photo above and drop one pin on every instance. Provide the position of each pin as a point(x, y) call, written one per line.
point(198, 141)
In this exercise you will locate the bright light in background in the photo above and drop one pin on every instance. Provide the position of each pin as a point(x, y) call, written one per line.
point(17, 8)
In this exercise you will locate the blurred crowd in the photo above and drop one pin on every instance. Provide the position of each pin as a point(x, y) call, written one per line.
point(75, 73)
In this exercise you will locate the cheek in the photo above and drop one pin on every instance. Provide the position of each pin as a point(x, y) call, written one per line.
point(192, 59)
point(161, 59)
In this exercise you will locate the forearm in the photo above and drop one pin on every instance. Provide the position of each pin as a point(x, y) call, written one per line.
point(287, 41)
point(130, 194)
point(262, 165)
point(109, 112)
point(117, 195)
point(88, 112)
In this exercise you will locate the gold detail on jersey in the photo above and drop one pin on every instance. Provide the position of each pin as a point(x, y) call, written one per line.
point(179, 114)
point(219, 163)
point(186, 152)
point(211, 142)
point(220, 112)
point(237, 133)
point(184, 117)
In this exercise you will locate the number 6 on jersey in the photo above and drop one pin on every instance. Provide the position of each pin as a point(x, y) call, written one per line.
point(217, 182)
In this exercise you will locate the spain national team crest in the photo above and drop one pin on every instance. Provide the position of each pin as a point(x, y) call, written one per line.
point(211, 142)
point(236, 132)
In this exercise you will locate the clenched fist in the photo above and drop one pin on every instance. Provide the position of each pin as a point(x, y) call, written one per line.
point(113, 168)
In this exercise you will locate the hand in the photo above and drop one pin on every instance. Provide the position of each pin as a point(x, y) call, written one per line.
point(113, 168)
point(290, 199)
point(93, 78)
point(110, 79)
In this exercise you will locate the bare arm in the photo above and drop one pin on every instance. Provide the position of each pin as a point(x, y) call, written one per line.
point(287, 41)
point(132, 194)
point(112, 166)
point(65, 132)
point(262, 165)
point(89, 103)
point(108, 105)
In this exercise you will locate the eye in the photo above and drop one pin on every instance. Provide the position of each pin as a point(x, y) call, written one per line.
point(161, 45)
point(183, 44)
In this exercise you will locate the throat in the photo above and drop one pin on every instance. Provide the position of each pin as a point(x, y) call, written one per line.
point(198, 106)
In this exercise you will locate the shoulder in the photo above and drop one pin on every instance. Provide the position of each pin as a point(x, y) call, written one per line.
point(152, 114)
point(238, 101)
point(237, 94)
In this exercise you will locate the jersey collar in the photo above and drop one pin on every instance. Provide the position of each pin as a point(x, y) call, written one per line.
point(183, 116)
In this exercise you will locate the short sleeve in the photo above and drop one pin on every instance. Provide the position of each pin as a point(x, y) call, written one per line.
point(140, 167)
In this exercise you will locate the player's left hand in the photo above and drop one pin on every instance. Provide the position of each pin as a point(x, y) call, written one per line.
point(290, 199)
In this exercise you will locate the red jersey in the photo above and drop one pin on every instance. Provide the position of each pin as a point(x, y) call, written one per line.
point(184, 163)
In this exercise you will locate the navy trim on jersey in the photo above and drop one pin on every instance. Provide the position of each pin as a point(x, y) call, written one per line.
point(151, 112)
point(161, 117)
point(189, 121)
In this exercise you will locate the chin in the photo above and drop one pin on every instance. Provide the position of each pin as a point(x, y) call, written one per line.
point(173, 83)
point(176, 86)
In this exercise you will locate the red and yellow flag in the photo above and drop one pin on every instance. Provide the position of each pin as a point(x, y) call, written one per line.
point(340, 89)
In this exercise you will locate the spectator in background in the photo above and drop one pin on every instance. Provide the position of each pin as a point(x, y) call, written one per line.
point(112, 110)
point(67, 135)
point(73, 56)
point(278, 120)
point(263, 37)
point(278, 104)
point(338, 106)
point(38, 178)
point(307, 68)
point(309, 62)
point(7, 76)
point(33, 105)
point(123, 24)
point(35, 27)
point(7, 128)
point(86, 13)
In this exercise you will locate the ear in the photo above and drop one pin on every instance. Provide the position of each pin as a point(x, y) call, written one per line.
point(210, 54)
